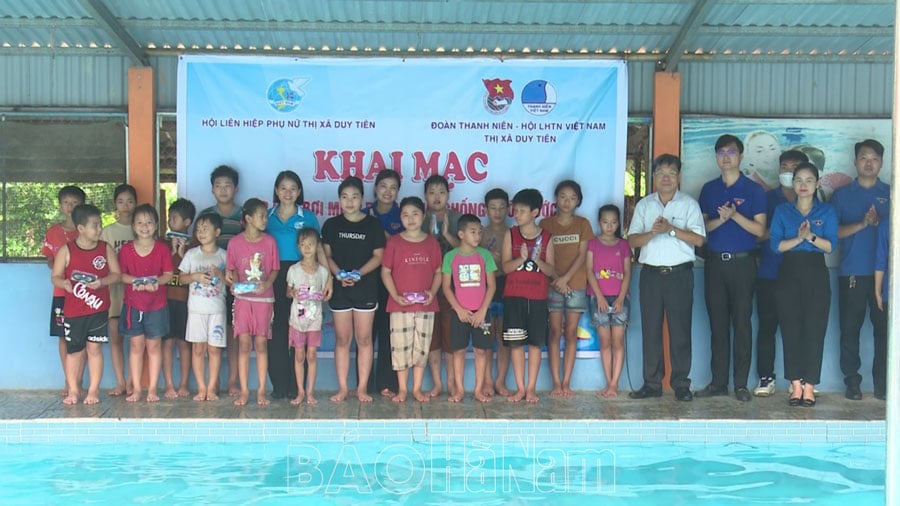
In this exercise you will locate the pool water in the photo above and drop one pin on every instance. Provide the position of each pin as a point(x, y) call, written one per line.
point(444, 472)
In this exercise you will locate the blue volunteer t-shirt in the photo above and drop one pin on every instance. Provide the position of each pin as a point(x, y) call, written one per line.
point(748, 197)
point(851, 203)
point(881, 254)
point(285, 232)
point(389, 220)
point(787, 220)
point(770, 260)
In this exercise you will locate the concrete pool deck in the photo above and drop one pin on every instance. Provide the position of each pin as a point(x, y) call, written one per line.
point(45, 405)
point(38, 416)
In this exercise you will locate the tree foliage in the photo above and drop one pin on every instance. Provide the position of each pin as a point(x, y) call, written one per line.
point(31, 208)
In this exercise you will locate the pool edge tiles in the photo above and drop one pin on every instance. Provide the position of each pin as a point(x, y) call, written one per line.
point(93, 431)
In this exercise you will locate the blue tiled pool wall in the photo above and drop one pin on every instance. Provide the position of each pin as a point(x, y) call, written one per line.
point(436, 431)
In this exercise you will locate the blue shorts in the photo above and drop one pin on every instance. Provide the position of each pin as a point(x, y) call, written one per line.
point(606, 318)
point(575, 302)
point(150, 324)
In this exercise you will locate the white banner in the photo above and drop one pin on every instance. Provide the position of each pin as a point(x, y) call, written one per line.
point(481, 123)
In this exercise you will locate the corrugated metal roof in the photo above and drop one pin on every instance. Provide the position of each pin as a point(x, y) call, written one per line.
point(773, 30)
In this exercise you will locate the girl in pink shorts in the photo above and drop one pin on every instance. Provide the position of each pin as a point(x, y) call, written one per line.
point(251, 265)
point(308, 284)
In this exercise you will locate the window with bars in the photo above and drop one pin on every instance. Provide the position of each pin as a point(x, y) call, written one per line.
point(39, 154)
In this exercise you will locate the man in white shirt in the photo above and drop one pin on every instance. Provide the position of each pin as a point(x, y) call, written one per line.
point(667, 225)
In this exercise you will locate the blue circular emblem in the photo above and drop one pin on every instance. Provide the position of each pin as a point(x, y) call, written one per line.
point(284, 95)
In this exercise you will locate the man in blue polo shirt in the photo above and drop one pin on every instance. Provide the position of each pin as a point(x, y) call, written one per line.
point(769, 263)
point(734, 211)
point(860, 206)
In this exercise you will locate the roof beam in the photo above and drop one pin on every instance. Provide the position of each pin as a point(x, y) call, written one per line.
point(109, 23)
point(405, 27)
point(799, 31)
point(475, 28)
point(695, 19)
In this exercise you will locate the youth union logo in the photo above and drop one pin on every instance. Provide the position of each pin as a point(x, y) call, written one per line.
point(284, 95)
point(499, 95)
point(539, 97)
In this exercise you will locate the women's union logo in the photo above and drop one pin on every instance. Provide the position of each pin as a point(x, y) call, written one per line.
point(284, 95)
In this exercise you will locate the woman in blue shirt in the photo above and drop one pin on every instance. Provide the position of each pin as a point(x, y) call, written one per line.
point(286, 218)
point(804, 231)
point(385, 208)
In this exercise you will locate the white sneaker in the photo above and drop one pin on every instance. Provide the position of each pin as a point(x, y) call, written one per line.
point(765, 388)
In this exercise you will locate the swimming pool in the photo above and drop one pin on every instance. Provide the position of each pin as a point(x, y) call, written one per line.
point(142, 462)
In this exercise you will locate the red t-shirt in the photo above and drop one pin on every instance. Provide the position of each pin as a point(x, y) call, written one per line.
point(528, 281)
point(83, 301)
point(412, 266)
point(54, 239)
point(158, 262)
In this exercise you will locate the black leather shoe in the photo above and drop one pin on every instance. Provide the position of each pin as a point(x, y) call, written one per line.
point(683, 395)
point(711, 391)
point(277, 394)
point(853, 393)
point(794, 401)
point(742, 394)
point(880, 395)
point(645, 393)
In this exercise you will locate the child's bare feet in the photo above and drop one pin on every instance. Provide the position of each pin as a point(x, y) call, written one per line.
point(184, 392)
point(531, 397)
point(297, 400)
point(261, 398)
point(363, 396)
point(516, 396)
point(133, 397)
point(557, 391)
point(151, 396)
point(233, 390)
point(567, 391)
point(341, 396)
point(387, 393)
point(93, 397)
point(612, 392)
point(201, 396)
point(481, 397)
point(70, 399)
point(171, 393)
point(115, 392)
point(419, 396)
point(242, 399)
point(212, 393)
point(311, 399)
point(456, 397)
point(400, 397)
point(488, 390)
point(501, 389)
point(437, 391)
